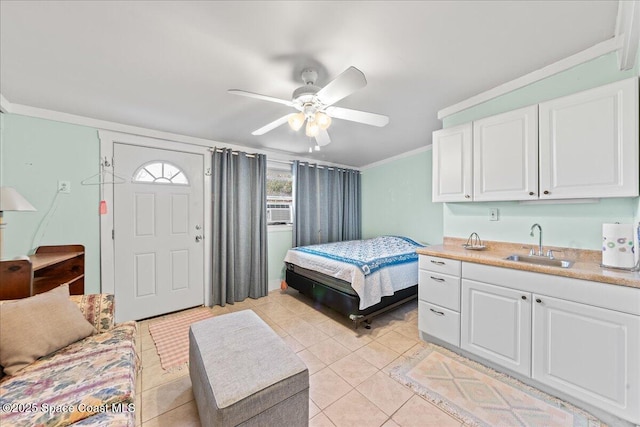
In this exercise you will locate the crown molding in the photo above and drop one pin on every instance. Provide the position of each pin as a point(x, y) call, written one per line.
point(628, 28)
point(397, 157)
point(5, 106)
point(607, 46)
point(103, 125)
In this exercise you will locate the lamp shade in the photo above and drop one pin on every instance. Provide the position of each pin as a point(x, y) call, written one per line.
point(11, 200)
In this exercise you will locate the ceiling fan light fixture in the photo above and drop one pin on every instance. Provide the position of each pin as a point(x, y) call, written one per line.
point(312, 129)
point(296, 121)
point(315, 105)
point(323, 120)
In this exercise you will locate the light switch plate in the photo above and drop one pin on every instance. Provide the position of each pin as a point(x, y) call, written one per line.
point(493, 214)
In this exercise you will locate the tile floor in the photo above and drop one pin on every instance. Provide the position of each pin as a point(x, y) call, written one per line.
point(348, 368)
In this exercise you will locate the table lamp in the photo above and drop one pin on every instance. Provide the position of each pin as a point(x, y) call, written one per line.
point(11, 200)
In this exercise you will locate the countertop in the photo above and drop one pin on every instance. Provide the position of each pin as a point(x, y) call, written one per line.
point(586, 266)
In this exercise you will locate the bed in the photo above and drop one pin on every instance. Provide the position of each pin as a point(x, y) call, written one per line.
point(358, 278)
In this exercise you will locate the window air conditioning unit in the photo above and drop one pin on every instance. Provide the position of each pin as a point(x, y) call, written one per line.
point(279, 213)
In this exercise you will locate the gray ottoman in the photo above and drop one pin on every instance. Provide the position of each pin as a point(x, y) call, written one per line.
point(244, 374)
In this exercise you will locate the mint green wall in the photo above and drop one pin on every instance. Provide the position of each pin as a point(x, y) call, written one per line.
point(35, 154)
point(578, 226)
point(396, 199)
point(279, 241)
point(567, 225)
point(597, 72)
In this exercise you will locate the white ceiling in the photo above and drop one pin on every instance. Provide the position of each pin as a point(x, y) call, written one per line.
point(167, 65)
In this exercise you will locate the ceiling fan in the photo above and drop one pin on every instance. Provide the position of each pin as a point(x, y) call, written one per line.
point(315, 105)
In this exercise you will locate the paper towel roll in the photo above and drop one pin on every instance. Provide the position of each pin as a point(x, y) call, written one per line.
point(636, 243)
point(617, 246)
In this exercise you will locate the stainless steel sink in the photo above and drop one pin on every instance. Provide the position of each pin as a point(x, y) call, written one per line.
point(539, 260)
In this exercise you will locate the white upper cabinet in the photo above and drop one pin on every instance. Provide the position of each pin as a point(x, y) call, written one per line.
point(579, 146)
point(589, 143)
point(505, 156)
point(452, 164)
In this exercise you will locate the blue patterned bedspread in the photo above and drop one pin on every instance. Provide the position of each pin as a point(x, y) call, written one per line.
point(368, 255)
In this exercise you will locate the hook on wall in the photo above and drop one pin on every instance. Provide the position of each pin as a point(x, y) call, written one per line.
point(104, 176)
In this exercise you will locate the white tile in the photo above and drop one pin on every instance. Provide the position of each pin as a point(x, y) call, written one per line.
point(355, 410)
point(384, 392)
point(377, 354)
point(353, 369)
point(417, 412)
point(329, 351)
point(325, 387)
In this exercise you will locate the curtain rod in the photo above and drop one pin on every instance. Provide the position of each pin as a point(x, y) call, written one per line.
point(284, 162)
point(234, 152)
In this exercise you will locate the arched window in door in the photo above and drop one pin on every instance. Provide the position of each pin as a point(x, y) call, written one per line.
point(160, 173)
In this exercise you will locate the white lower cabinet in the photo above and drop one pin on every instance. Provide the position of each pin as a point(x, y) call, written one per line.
point(439, 322)
point(496, 324)
point(439, 298)
point(588, 352)
point(577, 337)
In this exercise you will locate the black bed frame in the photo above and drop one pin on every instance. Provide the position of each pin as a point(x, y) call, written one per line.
point(344, 303)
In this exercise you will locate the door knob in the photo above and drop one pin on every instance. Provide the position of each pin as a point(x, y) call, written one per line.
point(199, 238)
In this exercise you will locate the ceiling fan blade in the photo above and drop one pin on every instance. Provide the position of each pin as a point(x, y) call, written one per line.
point(274, 124)
point(322, 138)
point(358, 116)
point(258, 96)
point(342, 86)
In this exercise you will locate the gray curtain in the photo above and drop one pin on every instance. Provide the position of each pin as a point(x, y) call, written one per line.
point(326, 203)
point(239, 247)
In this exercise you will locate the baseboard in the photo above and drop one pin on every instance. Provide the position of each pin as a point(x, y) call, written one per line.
point(274, 284)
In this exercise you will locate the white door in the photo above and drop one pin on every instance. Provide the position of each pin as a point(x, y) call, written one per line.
point(505, 156)
point(589, 143)
point(158, 219)
point(452, 164)
point(589, 353)
point(496, 324)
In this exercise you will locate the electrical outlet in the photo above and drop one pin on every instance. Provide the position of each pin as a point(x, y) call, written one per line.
point(64, 187)
point(493, 214)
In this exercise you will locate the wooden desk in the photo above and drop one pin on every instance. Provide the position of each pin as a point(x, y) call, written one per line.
point(49, 267)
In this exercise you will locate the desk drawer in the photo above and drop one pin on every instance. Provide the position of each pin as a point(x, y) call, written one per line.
point(439, 322)
point(440, 289)
point(440, 265)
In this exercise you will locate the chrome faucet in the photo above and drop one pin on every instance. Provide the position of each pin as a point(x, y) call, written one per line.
point(540, 253)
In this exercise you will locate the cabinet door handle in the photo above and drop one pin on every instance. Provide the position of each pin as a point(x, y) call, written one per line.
point(437, 262)
point(437, 279)
point(524, 297)
point(538, 300)
point(531, 193)
point(466, 196)
point(439, 313)
point(547, 192)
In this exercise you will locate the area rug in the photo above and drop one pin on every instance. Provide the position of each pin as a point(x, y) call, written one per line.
point(171, 336)
point(480, 396)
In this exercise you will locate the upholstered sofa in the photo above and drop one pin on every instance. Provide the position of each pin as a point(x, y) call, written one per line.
point(89, 382)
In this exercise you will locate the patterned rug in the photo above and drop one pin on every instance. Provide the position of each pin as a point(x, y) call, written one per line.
point(171, 336)
point(480, 396)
